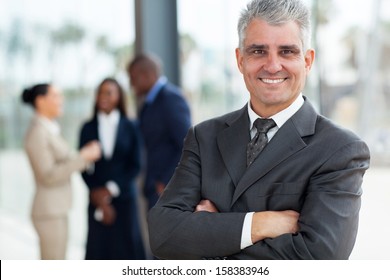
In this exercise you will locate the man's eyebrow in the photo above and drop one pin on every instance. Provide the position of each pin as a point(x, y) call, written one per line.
point(289, 47)
point(266, 47)
point(256, 47)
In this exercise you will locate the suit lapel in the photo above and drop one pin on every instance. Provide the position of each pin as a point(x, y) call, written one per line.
point(286, 142)
point(232, 143)
point(95, 131)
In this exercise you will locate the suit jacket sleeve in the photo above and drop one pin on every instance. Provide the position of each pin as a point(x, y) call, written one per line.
point(84, 139)
point(328, 218)
point(175, 231)
point(51, 171)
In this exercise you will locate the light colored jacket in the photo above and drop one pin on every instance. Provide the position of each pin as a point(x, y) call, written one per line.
point(53, 163)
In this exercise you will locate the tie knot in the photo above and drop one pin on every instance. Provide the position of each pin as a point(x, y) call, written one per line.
point(263, 125)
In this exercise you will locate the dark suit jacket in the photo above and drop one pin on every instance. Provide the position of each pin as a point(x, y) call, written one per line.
point(164, 124)
point(124, 165)
point(123, 239)
point(310, 166)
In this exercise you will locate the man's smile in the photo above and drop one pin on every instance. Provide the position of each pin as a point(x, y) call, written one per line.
point(272, 81)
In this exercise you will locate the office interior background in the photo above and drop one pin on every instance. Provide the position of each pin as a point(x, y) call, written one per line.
point(76, 43)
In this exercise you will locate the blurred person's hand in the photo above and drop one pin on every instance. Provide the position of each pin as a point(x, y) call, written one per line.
point(109, 214)
point(100, 196)
point(91, 151)
point(160, 188)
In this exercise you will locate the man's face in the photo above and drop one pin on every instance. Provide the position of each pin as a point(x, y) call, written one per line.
point(273, 65)
point(139, 80)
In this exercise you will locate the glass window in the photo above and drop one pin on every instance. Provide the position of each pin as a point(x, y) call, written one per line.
point(209, 73)
point(73, 44)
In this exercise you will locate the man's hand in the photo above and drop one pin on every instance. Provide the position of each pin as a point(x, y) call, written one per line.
point(271, 224)
point(206, 205)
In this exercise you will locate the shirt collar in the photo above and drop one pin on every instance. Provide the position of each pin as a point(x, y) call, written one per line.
point(153, 92)
point(49, 124)
point(112, 117)
point(281, 117)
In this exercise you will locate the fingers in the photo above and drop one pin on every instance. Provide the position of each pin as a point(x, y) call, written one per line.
point(109, 214)
point(271, 224)
point(206, 205)
point(160, 188)
point(292, 218)
point(100, 196)
point(95, 149)
point(91, 151)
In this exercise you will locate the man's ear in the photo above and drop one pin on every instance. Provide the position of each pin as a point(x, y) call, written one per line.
point(239, 59)
point(309, 59)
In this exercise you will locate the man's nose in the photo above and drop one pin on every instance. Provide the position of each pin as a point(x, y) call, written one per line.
point(273, 64)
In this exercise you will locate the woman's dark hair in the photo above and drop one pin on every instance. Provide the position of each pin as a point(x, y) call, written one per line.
point(29, 95)
point(121, 102)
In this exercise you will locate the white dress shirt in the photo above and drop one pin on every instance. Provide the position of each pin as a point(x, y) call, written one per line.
point(107, 130)
point(279, 118)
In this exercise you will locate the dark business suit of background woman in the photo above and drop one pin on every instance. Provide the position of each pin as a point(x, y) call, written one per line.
point(122, 240)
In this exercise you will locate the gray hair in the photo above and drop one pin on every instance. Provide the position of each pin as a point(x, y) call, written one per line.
point(276, 12)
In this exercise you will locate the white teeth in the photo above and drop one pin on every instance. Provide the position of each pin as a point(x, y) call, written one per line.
point(272, 81)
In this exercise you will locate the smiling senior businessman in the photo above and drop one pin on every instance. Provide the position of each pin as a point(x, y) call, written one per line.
point(274, 180)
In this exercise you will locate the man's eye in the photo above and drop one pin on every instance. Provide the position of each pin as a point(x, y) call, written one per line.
point(287, 52)
point(258, 52)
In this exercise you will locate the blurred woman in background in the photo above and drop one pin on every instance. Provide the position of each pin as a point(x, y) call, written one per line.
point(53, 163)
point(113, 226)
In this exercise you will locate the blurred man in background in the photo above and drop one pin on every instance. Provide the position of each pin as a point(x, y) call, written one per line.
point(164, 120)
